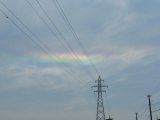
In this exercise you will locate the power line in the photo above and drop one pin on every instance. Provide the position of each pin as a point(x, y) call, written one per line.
point(155, 110)
point(41, 18)
point(68, 23)
point(144, 114)
point(36, 43)
point(39, 45)
point(85, 68)
point(63, 38)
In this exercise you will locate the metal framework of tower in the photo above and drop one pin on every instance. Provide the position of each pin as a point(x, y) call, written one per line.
point(100, 108)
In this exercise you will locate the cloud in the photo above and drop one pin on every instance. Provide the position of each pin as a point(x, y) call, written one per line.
point(121, 35)
point(30, 76)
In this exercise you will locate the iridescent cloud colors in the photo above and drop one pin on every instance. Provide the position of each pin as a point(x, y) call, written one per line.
point(65, 57)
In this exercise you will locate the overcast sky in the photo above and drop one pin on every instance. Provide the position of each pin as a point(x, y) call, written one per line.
point(46, 73)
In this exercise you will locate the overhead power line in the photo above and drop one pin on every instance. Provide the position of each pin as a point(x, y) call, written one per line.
point(69, 25)
point(64, 40)
point(43, 20)
point(60, 40)
point(35, 42)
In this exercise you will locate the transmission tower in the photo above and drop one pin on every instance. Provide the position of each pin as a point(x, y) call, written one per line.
point(100, 108)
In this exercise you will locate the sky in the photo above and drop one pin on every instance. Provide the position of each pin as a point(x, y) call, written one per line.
point(48, 63)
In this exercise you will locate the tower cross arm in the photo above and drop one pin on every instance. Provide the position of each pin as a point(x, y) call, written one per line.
point(94, 86)
point(104, 86)
point(100, 91)
point(100, 86)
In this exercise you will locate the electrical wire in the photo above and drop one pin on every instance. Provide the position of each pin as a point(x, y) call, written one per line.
point(27, 35)
point(44, 23)
point(63, 38)
point(144, 114)
point(53, 23)
point(70, 26)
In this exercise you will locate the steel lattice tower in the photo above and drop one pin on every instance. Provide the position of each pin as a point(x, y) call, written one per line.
point(100, 108)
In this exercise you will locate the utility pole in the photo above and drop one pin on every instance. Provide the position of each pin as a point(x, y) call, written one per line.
point(100, 108)
point(136, 116)
point(150, 109)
